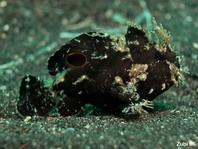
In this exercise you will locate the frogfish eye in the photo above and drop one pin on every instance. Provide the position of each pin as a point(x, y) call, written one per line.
point(76, 60)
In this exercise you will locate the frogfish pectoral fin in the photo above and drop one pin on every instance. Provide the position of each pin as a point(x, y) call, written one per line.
point(35, 98)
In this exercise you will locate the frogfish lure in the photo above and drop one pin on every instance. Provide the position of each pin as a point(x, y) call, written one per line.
point(113, 72)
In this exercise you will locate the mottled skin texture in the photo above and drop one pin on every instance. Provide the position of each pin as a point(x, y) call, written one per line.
point(111, 72)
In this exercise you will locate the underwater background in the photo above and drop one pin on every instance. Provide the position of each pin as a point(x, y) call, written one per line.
point(31, 31)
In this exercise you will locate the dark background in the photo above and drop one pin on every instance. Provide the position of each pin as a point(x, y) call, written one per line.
point(30, 31)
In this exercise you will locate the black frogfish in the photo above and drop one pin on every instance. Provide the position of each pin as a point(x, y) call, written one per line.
point(113, 72)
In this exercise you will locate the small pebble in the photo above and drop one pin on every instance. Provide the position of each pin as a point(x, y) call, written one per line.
point(3, 4)
point(70, 129)
point(3, 87)
point(6, 27)
point(27, 118)
point(195, 45)
point(3, 36)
